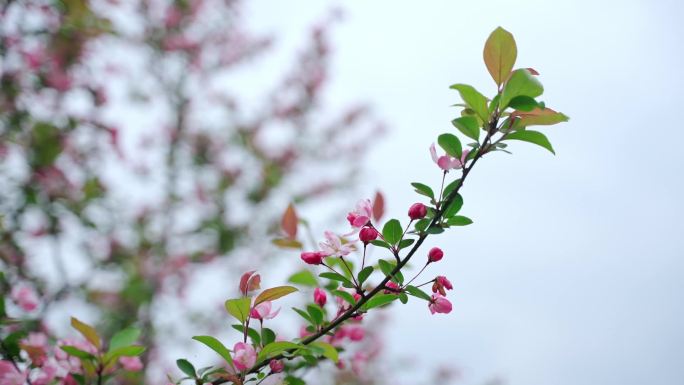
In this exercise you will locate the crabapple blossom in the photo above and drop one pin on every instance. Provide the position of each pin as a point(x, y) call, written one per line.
point(244, 356)
point(439, 304)
point(25, 297)
point(263, 311)
point(9, 375)
point(446, 162)
point(276, 366)
point(435, 254)
point(417, 211)
point(320, 297)
point(441, 283)
point(392, 288)
point(362, 214)
point(132, 364)
point(333, 245)
point(36, 345)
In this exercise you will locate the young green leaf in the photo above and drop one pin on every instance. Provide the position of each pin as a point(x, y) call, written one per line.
point(454, 207)
point(345, 296)
point(76, 352)
point(378, 300)
point(474, 99)
point(531, 136)
point(450, 144)
point(523, 103)
point(267, 336)
point(274, 293)
point(316, 314)
point(380, 243)
point(499, 54)
point(539, 117)
point(423, 190)
point(423, 224)
point(405, 243)
point(304, 315)
point(334, 277)
point(387, 267)
point(252, 333)
point(392, 231)
point(87, 331)
point(521, 82)
point(239, 308)
point(459, 220)
point(468, 125)
point(186, 367)
point(123, 338)
point(304, 278)
point(275, 348)
point(124, 351)
point(416, 292)
point(451, 187)
point(364, 274)
point(216, 346)
point(328, 350)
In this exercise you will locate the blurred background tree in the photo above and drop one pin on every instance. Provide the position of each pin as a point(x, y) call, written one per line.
point(132, 157)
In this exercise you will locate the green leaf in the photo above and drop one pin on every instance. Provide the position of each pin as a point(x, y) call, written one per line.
point(124, 351)
point(304, 315)
point(345, 296)
point(405, 243)
point(523, 103)
point(380, 243)
point(291, 380)
point(450, 144)
point(452, 186)
point(499, 54)
point(403, 297)
point(423, 224)
point(474, 99)
point(124, 338)
point(364, 274)
point(76, 352)
point(459, 220)
point(454, 207)
point(304, 277)
point(274, 293)
point(216, 346)
point(334, 277)
point(416, 292)
point(87, 331)
point(392, 231)
point(435, 230)
point(329, 351)
point(522, 82)
point(540, 117)
point(387, 267)
point(423, 190)
point(186, 367)
point(378, 300)
point(252, 333)
point(468, 125)
point(275, 348)
point(267, 336)
point(531, 136)
point(316, 313)
point(239, 308)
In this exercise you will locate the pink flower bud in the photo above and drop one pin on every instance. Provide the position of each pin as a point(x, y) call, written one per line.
point(368, 234)
point(132, 364)
point(249, 282)
point(435, 254)
point(394, 288)
point(276, 366)
point(244, 356)
point(417, 211)
point(320, 297)
point(25, 297)
point(439, 304)
point(356, 333)
point(313, 257)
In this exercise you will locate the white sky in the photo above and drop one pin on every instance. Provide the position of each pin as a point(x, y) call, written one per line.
point(572, 273)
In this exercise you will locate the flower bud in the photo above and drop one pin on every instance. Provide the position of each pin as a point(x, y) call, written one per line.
point(276, 366)
point(441, 283)
point(417, 211)
point(320, 298)
point(392, 288)
point(249, 282)
point(312, 257)
point(435, 254)
point(368, 234)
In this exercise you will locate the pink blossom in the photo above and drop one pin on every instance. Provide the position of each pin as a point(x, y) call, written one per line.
point(359, 362)
point(132, 364)
point(446, 162)
point(362, 214)
point(276, 366)
point(263, 311)
point(313, 257)
point(244, 356)
point(435, 254)
point(441, 283)
point(249, 282)
point(25, 297)
point(303, 332)
point(439, 304)
point(333, 245)
point(393, 288)
point(9, 375)
point(48, 372)
point(368, 234)
point(36, 345)
point(417, 211)
point(320, 298)
point(356, 333)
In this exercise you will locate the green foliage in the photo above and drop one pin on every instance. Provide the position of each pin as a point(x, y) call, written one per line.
point(521, 83)
point(215, 345)
point(532, 137)
point(186, 367)
point(274, 293)
point(392, 231)
point(499, 54)
point(304, 278)
point(473, 99)
point(239, 308)
point(468, 125)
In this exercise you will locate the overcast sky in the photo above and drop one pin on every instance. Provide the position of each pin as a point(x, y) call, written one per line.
point(573, 270)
